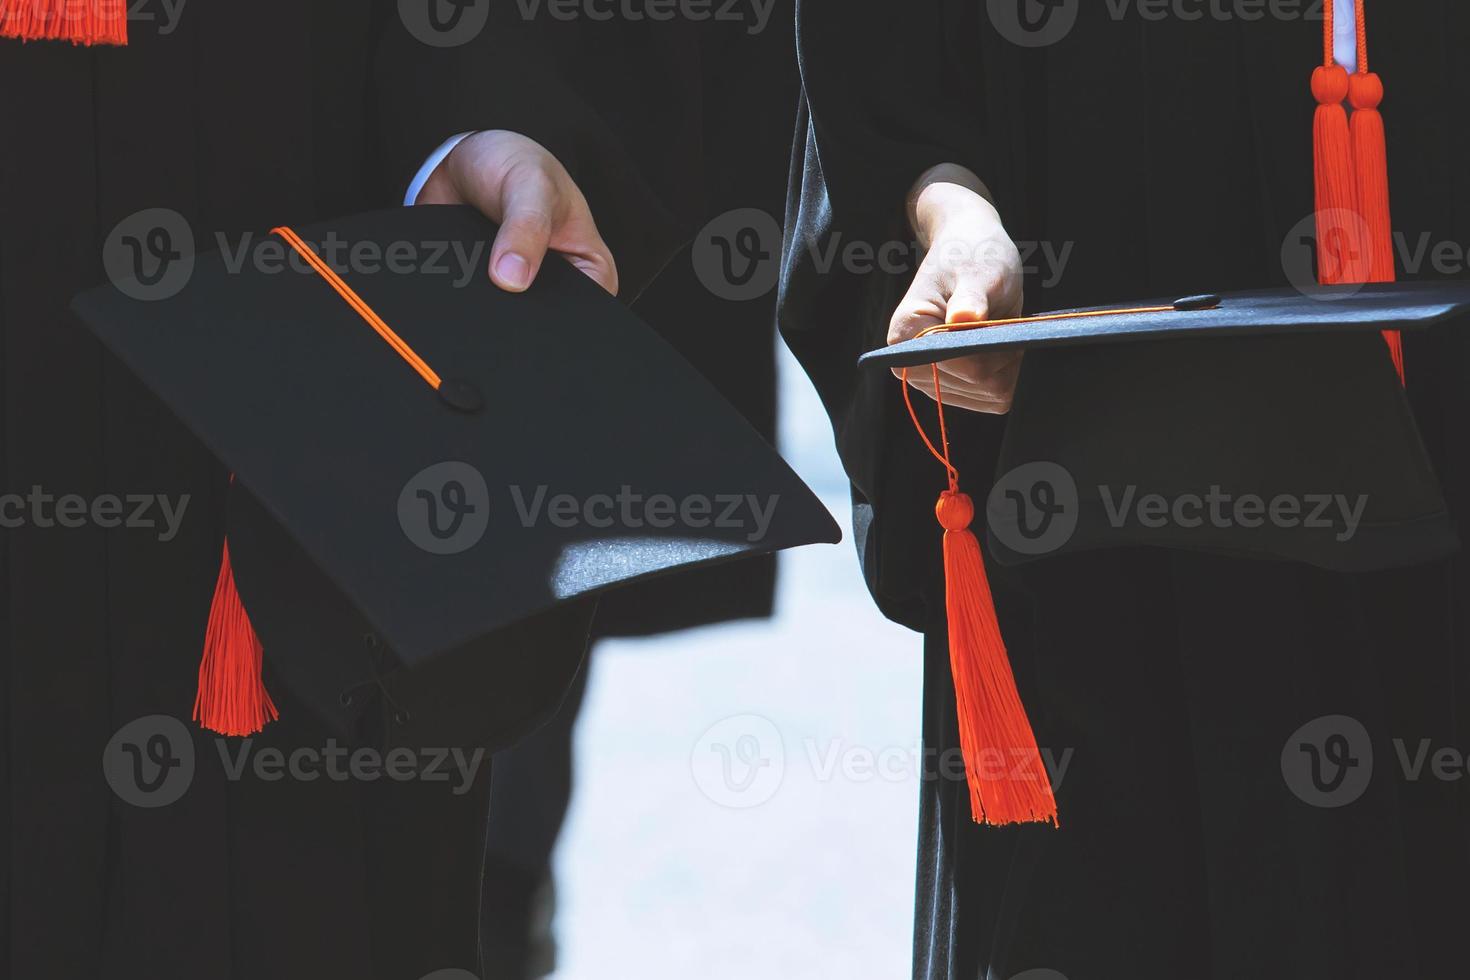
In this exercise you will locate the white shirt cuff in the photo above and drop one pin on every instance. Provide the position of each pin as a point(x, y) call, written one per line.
point(430, 165)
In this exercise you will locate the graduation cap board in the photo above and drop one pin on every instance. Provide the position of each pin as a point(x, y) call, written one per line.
point(431, 472)
point(1273, 395)
point(1322, 309)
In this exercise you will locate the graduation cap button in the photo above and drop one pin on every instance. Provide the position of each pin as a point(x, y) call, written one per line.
point(461, 395)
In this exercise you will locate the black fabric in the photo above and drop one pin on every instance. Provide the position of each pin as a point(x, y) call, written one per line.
point(747, 70)
point(238, 118)
point(1316, 424)
point(1170, 156)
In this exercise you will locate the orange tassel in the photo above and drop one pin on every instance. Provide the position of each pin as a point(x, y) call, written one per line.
point(1340, 255)
point(232, 698)
point(1370, 159)
point(1008, 783)
point(85, 22)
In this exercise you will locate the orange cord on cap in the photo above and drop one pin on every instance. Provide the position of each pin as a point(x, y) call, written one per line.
point(85, 22)
point(357, 303)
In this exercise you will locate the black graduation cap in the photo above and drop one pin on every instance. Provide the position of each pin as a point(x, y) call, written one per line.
point(432, 475)
point(1268, 423)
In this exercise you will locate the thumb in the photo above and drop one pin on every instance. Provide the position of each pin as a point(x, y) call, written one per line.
point(967, 304)
point(530, 203)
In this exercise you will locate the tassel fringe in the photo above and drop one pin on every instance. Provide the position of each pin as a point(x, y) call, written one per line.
point(85, 22)
point(1008, 782)
point(1340, 253)
point(232, 698)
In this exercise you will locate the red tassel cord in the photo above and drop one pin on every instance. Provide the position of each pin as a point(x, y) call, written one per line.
point(1370, 158)
point(1007, 781)
point(1340, 256)
point(232, 698)
point(85, 22)
point(1354, 227)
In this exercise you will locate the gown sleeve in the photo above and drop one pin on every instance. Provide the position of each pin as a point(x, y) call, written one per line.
point(888, 91)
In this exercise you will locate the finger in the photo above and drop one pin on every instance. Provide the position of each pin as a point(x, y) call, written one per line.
point(984, 393)
point(920, 309)
point(589, 253)
point(969, 303)
point(981, 369)
point(996, 400)
point(530, 200)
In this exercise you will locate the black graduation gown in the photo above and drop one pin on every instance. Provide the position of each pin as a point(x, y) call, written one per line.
point(240, 116)
point(1172, 156)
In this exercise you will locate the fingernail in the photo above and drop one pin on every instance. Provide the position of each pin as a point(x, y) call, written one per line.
point(513, 271)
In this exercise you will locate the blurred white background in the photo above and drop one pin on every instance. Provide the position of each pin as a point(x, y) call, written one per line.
point(746, 796)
